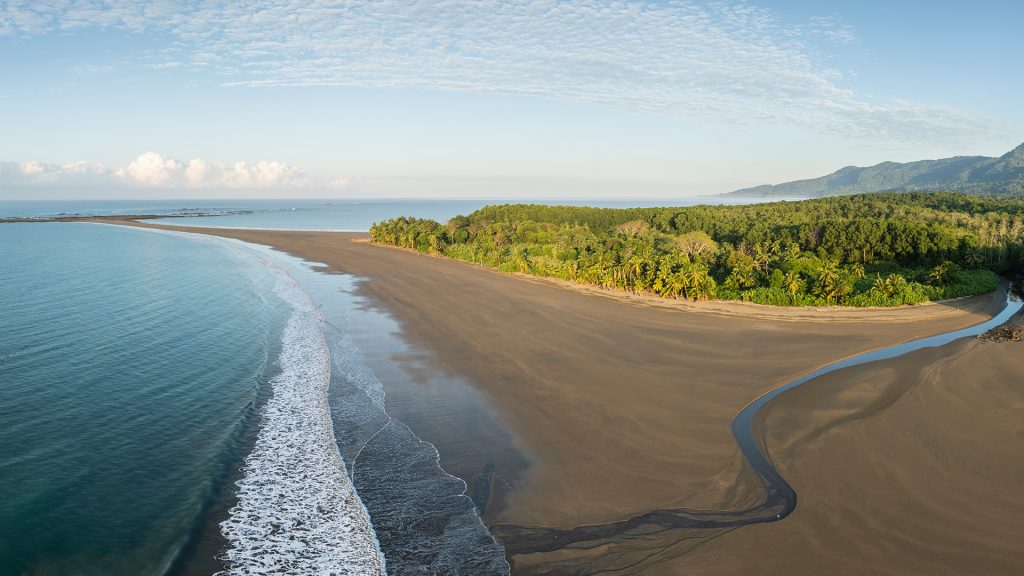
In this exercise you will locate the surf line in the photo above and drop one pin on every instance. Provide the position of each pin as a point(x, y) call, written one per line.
point(780, 499)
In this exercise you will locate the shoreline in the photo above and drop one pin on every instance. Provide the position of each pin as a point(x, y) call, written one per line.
point(722, 307)
point(208, 548)
point(582, 381)
point(427, 552)
point(711, 306)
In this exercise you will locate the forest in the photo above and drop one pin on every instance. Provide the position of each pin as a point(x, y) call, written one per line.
point(885, 249)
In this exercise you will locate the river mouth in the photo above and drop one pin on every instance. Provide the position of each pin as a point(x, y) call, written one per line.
point(648, 532)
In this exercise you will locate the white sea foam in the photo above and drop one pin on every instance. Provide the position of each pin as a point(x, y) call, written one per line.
point(297, 511)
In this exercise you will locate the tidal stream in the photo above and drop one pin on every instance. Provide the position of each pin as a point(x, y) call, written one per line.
point(779, 500)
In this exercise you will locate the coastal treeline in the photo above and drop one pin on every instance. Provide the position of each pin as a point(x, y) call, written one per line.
point(865, 250)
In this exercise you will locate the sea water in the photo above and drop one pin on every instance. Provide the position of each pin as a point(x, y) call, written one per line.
point(350, 214)
point(131, 364)
point(359, 214)
point(424, 519)
point(166, 398)
point(155, 384)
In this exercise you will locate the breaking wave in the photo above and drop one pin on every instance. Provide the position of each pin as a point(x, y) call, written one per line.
point(334, 485)
point(424, 520)
point(297, 511)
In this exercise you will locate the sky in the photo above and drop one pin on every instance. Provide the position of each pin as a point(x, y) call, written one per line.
point(486, 99)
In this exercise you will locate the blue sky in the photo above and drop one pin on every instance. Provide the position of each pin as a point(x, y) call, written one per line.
point(492, 99)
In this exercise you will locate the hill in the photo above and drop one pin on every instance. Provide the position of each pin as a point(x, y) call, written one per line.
point(967, 174)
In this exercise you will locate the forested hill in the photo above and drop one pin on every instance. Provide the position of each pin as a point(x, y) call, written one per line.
point(863, 250)
point(967, 174)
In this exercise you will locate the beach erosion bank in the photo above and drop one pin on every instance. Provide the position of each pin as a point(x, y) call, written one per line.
point(614, 406)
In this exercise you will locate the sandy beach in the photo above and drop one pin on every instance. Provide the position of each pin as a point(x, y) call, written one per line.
point(621, 405)
point(907, 466)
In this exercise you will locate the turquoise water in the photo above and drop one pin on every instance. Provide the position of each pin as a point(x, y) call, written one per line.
point(169, 402)
point(151, 385)
point(130, 366)
point(148, 379)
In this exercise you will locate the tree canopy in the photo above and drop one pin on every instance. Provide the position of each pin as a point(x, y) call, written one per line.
point(866, 250)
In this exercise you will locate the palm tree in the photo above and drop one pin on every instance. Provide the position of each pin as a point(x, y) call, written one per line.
point(661, 276)
point(636, 265)
point(435, 243)
point(741, 278)
point(705, 290)
point(974, 259)
point(830, 286)
point(895, 284)
point(793, 283)
point(791, 252)
point(571, 268)
point(610, 277)
point(674, 285)
point(619, 276)
point(879, 287)
point(696, 276)
point(828, 272)
point(764, 255)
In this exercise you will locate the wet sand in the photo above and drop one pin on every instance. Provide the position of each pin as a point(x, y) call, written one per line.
point(620, 404)
point(907, 466)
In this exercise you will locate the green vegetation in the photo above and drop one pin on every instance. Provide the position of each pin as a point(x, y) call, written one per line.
point(968, 174)
point(866, 250)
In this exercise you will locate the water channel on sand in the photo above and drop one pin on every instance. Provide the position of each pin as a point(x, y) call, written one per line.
point(649, 533)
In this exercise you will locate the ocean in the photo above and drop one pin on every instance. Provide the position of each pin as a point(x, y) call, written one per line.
point(343, 215)
point(132, 367)
point(181, 404)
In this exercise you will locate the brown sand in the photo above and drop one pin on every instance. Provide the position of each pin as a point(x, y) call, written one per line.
point(908, 466)
point(623, 404)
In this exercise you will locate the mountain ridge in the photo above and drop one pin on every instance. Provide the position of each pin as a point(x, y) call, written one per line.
point(969, 174)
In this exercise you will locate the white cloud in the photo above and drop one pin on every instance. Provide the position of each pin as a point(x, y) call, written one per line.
point(726, 61)
point(32, 168)
point(152, 169)
point(196, 173)
point(155, 170)
point(262, 175)
point(34, 173)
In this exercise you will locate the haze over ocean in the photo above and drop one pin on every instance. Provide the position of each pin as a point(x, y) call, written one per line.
point(350, 214)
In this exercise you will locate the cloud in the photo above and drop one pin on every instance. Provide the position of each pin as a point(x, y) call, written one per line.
point(152, 169)
point(155, 170)
point(34, 173)
point(725, 61)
